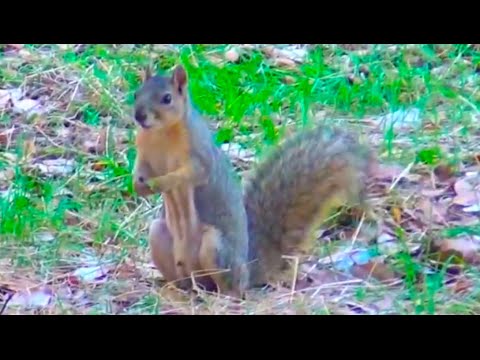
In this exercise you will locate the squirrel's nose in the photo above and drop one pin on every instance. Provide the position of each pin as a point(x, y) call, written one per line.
point(140, 116)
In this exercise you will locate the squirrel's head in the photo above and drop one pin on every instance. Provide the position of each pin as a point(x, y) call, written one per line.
point(162, 100)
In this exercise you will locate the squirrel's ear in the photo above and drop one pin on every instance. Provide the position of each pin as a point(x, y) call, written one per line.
point(179, 78)
point(148, 72)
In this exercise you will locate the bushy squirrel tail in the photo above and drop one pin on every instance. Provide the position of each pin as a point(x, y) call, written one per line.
point(293, 189)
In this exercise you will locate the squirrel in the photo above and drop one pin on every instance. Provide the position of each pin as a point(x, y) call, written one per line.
point(209, 222)
point(203, 225)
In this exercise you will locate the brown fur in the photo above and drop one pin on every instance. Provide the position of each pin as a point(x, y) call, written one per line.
point(173, 176)
point(205, 226)
point(164, 163)
point(175, 156)
point(211, 244)
point(293, 190)
point(161, 245)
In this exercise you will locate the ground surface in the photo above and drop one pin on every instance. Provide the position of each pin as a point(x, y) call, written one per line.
point(73, 233)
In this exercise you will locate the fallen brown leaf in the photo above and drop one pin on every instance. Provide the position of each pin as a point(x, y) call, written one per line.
point(99, 166)
point(72, 219)
point(15, 280)
point(269, 51)
point(444, 172)
point(280, 58)
point(5, 136)
point(29, 148)
point(126, 271)
point(284, 62)
point(375, 269)
point(232, 55)
point(172, 294)
point(397, 215)
point(462, 285)
point(318, 277)
point(98, 144)
point(468, 191)
point(432, 211)
point(430, 126)
point(288, 80)
point(293, 53)
point(460, 249)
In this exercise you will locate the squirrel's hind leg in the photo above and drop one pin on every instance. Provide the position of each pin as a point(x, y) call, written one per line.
point(228, 281)
point(161, 247)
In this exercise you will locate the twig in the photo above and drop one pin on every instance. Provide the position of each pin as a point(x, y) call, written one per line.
point(44, 72)
point(357, 230)
point(295, 274)
point(332, 286)
point(72, 149)
point(77, 86)
point(402, 174)
point(469, 103)
point(125, 222)
point(6, 303)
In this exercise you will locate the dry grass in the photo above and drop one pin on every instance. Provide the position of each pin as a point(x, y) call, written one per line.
point(74, 234)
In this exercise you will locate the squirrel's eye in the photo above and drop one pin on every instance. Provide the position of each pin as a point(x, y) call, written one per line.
point(166, 99)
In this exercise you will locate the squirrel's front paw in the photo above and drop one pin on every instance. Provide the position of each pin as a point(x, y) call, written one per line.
point(160, 184)
point(141, 187)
